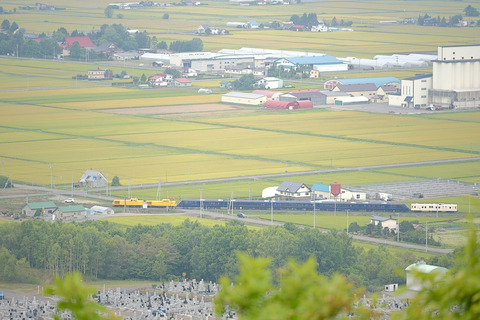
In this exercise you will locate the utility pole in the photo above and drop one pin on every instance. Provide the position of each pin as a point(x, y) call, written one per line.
point(271, 212)
point(398, 227)
point(51, 176)
point(347, 221)
point(201, 204)
point(426, 236)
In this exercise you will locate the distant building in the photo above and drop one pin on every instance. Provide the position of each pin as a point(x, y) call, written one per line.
point(456, 77)
point(293, 191)
point(93, 179)
point(271, 95)
point(39, 208)
point(389, 223)
point(182, 82)
point(414, 93)
point(99, 74)
point(70, 213)
point(367, 90)
point(378, 81)
point(244, 98)
point(270, 83)
point(321, 63)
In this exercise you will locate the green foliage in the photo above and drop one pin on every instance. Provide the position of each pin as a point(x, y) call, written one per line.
point(471, 11)
point(75, 296)
point(5, 25)
point(174, 72)
point(245, 82)
point(108, 12)
point(13, 269)
point(115, 181)
point(457, 294)
point(166, 16)
point(5, 182)
point(301, 293)
point(196, 44)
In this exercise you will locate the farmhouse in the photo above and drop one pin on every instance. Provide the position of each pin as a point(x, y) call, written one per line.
point(389, 223)
point(39, 208)
point(99, 74)
point(71, 213)
point(270, 83)
point(323, 191)
point(293, 191)
point(93, 179)
point(413, 281)
point(244, 98)
point(182, 82)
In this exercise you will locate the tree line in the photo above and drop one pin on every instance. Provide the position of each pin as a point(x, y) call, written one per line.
point(105, 250)
point(13, 42)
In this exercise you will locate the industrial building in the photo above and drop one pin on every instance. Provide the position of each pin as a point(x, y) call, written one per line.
point(378, 81)
point(244, 98)
point(456, 77)
point(414, 92)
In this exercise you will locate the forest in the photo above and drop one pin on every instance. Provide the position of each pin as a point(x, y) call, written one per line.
point(105, 250)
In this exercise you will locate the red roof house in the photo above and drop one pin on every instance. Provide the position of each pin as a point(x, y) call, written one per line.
point(84, 42)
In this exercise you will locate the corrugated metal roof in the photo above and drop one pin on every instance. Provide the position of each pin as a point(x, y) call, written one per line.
point(76, 208)
point(289, 186)
point(315, 60)
point(378, 81)
point(244, 95)
point(420, 76)
point(40, 205)
point(321, 187)
point(425, 268)
point(357, 87)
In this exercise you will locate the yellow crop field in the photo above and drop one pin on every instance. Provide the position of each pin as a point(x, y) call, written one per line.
point(146, 102)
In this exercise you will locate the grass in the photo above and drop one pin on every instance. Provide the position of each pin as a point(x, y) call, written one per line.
point(339, 221)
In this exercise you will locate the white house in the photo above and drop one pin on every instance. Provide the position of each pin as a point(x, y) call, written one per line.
point(389, 223)
point(289, 190)
point(92, 178)
point(270, 83)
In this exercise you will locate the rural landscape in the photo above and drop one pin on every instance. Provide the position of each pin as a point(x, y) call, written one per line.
point(146, 184)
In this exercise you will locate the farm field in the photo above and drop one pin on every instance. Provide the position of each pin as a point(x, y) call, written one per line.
point(178, 135)
point(369, 36)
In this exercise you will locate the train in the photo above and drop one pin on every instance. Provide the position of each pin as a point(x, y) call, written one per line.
point(285, 205)
point(433, 207)
point(292, 205)
point(137, 203)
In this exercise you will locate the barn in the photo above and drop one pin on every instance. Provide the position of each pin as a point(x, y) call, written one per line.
point(244, 98)
point(285, 105)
